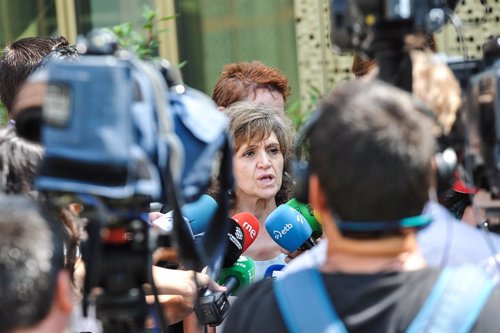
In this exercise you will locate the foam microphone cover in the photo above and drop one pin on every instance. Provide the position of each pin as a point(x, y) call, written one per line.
point(235, 241)
point(166, 222)
point(250, 226)
point(307, 211)
point(288, 228)
point(273, 271)
point(199, 213)
point(243, 271)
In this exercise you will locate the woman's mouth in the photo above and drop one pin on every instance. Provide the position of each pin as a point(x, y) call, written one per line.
point(266, 179)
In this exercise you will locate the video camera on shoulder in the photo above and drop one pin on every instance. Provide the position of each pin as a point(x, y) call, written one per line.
point(378, 29)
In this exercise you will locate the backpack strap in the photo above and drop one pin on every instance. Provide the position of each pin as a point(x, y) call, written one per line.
point(304, 303)
point(455, 301)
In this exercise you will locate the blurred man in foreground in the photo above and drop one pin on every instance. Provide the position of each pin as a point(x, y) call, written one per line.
point(35, 292)
point(370, 178)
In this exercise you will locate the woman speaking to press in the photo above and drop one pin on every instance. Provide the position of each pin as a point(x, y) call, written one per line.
point(262, 140)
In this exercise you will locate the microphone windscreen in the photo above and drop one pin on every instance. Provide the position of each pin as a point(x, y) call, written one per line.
point(307, 211)
point(199, 213)
point(243, 269)
point(250, 226)
point(166, 222)
point(288, 228)
point(273, 271)
point(234, 245)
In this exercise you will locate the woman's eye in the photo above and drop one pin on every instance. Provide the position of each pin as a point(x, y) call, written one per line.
point(249, 153)
point(273, 150)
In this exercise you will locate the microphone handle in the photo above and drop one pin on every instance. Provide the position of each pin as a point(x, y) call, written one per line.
point(231, 283)
point(308, 244)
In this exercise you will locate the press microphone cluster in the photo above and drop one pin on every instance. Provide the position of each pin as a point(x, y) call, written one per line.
point(238, 271)
point(289, 229)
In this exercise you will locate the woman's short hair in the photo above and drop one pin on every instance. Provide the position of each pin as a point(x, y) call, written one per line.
point(254, 122)
point(237, 81)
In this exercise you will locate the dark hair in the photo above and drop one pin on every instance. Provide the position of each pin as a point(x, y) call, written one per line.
point(19, 162)
point(372, 150)
point(19, 59)
point(31, 256)
point(27, 105)
point(237, 81)
point(253, 122)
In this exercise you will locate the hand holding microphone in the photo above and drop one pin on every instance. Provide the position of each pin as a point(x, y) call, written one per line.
point(213, 308)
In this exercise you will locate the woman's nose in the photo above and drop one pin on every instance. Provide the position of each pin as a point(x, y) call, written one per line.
point(264, 161)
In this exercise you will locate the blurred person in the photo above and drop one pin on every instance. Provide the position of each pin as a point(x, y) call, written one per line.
point(36, 290)
point(19, 59)
point(370, 177)
point(253, 82)
point(262, 139)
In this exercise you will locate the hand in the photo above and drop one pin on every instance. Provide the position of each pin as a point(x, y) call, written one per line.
point(178, 291)
point(175, 308)
point(291, 255)
point(179, 282)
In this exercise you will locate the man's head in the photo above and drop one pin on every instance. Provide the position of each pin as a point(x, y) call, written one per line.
point(251, 81)
point(21, 58)
point(371, 151)
point(34, 289)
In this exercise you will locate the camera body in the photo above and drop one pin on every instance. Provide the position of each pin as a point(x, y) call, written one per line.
point(367, 26)
point(117, 137)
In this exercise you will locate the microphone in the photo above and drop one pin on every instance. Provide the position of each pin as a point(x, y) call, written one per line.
point(235, 243)
point(166, 222)
point(199, 213)
point(250, 226)
point(239, 275)
point(213, 308)
point(307, 211)
point(289, 229)
point(273, 271)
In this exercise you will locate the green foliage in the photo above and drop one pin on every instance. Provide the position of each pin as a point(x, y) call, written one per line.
point(298, 116)
point(3, 115)
point(144, 43)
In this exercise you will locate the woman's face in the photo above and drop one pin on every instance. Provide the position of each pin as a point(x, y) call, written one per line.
point(258, 169)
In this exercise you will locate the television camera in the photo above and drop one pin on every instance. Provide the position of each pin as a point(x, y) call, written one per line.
point(380, 29)
point(120, 133)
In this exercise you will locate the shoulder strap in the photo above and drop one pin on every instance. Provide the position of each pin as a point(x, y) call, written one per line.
point(455, 301)
point(304, 304)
